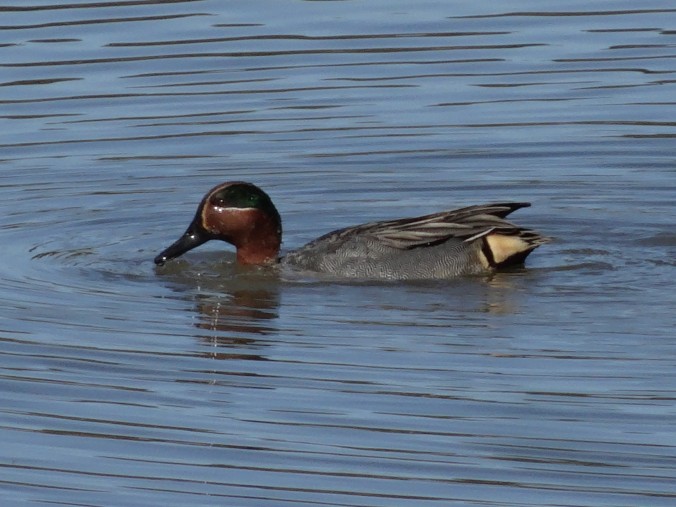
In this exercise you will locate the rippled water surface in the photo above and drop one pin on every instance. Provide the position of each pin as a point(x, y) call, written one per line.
point(201, 383)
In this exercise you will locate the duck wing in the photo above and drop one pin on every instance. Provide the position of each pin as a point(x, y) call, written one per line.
point(464, 224)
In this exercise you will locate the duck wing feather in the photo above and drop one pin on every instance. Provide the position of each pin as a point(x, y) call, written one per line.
point(464, 224)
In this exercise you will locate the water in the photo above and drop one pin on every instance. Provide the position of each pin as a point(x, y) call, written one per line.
point(201, 383)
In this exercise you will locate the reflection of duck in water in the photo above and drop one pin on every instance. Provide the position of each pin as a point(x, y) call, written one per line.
point(252, 312)
point(232, 325)
point(465, 241)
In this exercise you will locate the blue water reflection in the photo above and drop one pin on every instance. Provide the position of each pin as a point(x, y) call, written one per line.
point(200, 383)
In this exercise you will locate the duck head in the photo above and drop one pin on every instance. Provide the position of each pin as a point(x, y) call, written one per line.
point(239, 213)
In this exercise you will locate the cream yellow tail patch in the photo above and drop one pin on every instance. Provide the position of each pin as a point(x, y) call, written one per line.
point(504, 247)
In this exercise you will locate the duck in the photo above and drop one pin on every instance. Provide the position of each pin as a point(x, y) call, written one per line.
point(472, 240)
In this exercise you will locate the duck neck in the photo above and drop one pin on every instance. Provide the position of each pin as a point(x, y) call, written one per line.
point(260, 244)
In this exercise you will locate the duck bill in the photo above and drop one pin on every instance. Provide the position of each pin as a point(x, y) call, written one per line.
point(192, 238)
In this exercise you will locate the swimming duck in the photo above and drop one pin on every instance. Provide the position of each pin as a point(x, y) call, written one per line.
point(465, 241)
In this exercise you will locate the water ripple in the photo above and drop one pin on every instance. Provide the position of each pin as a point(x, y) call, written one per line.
point(212, 384)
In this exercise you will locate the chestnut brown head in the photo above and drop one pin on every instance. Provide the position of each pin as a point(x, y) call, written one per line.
point(239, 213)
